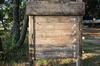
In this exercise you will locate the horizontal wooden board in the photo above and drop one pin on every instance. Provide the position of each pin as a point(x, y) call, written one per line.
point(55, 55)
point(56, 36)
point(54, 31)
point(55, 7)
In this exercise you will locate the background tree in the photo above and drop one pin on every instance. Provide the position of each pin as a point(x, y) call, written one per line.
point(16, 22)
point(1, 1)
point(92, 8)
point(14, 14)
point(2, 17)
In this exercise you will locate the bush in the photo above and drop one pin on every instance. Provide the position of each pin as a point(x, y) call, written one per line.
point(14, 55)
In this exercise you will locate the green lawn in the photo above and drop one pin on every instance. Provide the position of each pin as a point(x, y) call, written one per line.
point(93, 59)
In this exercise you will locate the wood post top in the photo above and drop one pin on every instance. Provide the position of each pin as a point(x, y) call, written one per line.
point(55, 7)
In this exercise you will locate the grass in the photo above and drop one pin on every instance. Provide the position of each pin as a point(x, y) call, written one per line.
point(90, 47)
point(55, 62)
point(93, 59)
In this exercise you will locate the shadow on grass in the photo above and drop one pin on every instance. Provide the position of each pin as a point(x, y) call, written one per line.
point(93, 61)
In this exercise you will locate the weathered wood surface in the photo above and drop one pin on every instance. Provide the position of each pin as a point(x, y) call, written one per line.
point(56, 36)
point(56, 30)
point(31, 43)
point(55, 7)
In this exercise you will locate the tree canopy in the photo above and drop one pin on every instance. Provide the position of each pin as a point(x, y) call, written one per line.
point(92, 8)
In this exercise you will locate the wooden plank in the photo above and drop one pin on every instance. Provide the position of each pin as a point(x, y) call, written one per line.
point(30, 29)
point(39, 7)
point(31, 43)
point(55, 33)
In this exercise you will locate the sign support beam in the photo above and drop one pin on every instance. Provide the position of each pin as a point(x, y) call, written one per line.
point(34, 40)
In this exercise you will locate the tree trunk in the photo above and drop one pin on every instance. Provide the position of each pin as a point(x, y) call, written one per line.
point(16, 22)
point(23, 32)
point(1, 49)
point(22, 38)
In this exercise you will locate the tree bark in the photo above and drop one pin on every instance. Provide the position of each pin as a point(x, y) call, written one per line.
point(23, 32)
point(1, 49)
point(16, 22)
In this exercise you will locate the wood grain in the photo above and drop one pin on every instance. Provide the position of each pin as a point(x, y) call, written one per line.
point(54, 37)
point(55, 8)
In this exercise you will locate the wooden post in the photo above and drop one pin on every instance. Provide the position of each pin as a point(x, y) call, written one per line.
point(31, 44)
point(34, 41)
point(32, 58)
point(79, 48)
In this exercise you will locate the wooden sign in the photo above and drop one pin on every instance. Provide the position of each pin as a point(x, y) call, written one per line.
point(56, 36)
point(54, 29)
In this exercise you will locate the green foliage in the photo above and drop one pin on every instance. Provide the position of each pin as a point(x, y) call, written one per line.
point(1, 1)
point(1, 32)
point(10, 52)
point(1, 14)
point(6, 15)
point(14, 55)
point(92, 8)
point(55, 62)
point(42, 62)
point(66, 61)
